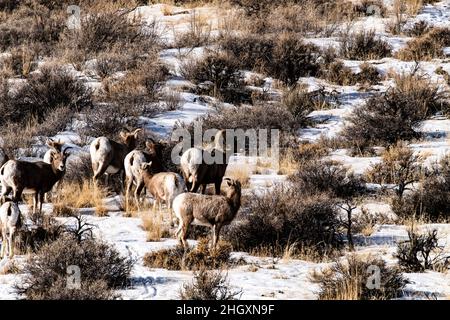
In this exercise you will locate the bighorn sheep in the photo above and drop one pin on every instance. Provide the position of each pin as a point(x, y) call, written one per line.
point(38, 177)
point(133, 162)
point(55, 147)
point(198, 173)
point(163, 186)
point(213, 211)
point(107, 156)
point(3, 157)
point(10, 220)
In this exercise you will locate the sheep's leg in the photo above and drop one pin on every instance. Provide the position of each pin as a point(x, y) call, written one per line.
point(129, 183)
point(17, 194)
point(35, 202)
point(99, 171)
point(216, 234)
point(41, 200)
point(204, 188)
point(183, 234)
point(5, 192)
point(217, 186)
point(3, 243)
point(11, 242)
point(154, 205)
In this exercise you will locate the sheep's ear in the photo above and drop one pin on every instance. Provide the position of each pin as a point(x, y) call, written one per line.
point(135, 132)
point(228, 181)
point(150, 144)
point(123, 135)
point(49, 142)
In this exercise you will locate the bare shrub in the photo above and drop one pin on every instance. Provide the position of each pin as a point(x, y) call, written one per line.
point(363, 45)
point(193, 259)
point(368, 74)
point(350, 280)
point(399, 167)
point(395, 115)
point(337, 73)
point(197, 35)
point(253, 52)
point(217, 74)
point(285, 217)
point(293, 59)
point(107, 29)
point(102, 270)
point(327, 176)
point(422, 252)
point(418, 29)
point(44, 92)
point(431, 201)
point(32, 23)
point(208, 285)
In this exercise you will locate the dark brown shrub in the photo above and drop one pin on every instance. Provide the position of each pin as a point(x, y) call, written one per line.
point(363, 45)
point(101, 266)
point(327, 177)
point(395, 115)
point(284, 217)
point(293, 59)
point(337, 73)
point(422, 252)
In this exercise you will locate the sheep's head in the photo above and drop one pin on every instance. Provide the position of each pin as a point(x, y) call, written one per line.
point(233, 187)
point(152, 147)
point(145, 167)
point(56, 145)
point(59, 159)
point(129, 138)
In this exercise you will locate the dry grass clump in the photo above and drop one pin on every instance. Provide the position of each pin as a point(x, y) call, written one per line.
point(240, 173)
point(353, 279)
point(155, 226)
point(72, 195)
point(201, 256)
point(427, 46)
point(208, 285)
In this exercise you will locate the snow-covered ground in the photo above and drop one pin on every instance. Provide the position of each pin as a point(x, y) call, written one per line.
point(271, 278)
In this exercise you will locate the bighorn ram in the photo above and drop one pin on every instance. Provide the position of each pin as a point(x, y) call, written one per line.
point(197, 172)
point(10, 220)
point(163, 186)
point(107, 156)
point(3, 157)
point(209, 210)
point(133, 162)
point(38, 177)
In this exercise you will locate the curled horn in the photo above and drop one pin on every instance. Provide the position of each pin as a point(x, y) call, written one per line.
point(65, 151)
point(137, 130)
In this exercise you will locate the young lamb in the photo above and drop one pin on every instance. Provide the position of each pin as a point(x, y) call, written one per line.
point(133, 162)
point(10, 220)
point(213, 211)
point(163, 186)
